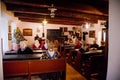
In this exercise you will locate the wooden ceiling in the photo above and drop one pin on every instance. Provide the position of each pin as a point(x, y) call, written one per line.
point(69, 12)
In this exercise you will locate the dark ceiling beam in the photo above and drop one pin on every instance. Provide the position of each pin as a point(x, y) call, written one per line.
point(50, 22)
point(26, 9)
point(41, 19)
point(60, 6)
point(45, 12)
point(70, 12)
point(54, 21)
point(47, 16)
point(21, 15)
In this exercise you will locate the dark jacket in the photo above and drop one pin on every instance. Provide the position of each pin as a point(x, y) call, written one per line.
point(94, 46)
point(27, 50)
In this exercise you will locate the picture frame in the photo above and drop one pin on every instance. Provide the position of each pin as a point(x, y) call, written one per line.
point(92, 33)
point(27, 32)
point(70, 32)
point(65, 29)
point(9, 28)
point(9, 36)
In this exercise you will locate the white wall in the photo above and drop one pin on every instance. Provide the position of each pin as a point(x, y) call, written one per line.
point(114, 41)
point(7, 18)
point(98, 32)
point(1, 68)
point(35, 26)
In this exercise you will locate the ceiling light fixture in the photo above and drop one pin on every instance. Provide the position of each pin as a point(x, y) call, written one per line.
point(44, 22)
point(52, 10)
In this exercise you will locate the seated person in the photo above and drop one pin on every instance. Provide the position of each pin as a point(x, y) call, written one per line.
point(78, 44)
point(56, 43)
point(36, 45)
point(86, 47)
point(52, 52)
point(24, 49)
point(70, 40)
point(102, 47)
point(38, 38)
point(46, 43)
point(94, 45)
point(42, 45)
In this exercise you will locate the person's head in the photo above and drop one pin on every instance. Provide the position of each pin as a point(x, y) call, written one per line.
point(50, 47)
point(94, 41)
point(23, 44)
point(36, 37)
point(102, 43)
point(37, 41)
point(47, 41)
point(36, 34)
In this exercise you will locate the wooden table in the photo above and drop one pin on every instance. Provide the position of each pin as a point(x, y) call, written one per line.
point(87, 55)
point(94, 52)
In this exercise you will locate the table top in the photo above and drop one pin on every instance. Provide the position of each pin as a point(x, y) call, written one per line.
point(22, 57)
point(36, 51)
point(39, 51)
point(94, 52)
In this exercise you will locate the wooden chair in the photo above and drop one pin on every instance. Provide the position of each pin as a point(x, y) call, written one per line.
point(78, 61)
point(93, 68)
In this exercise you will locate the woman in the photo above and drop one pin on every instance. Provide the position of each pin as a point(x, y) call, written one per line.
point(36, 45)
point(52, 52)
point(24, 49)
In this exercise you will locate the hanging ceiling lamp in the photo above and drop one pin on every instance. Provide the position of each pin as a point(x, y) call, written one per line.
point(52, 10)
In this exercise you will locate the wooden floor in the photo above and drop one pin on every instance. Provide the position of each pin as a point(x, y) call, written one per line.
point(71, 74)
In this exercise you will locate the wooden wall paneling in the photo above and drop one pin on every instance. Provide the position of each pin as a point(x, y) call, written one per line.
point(15, 68)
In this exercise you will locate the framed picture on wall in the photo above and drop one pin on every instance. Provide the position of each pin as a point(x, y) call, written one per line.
point(27, 32)
point(92, 33)
point(9, 36)
point(71, 32)
point(9, 28)
point(65, 29)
